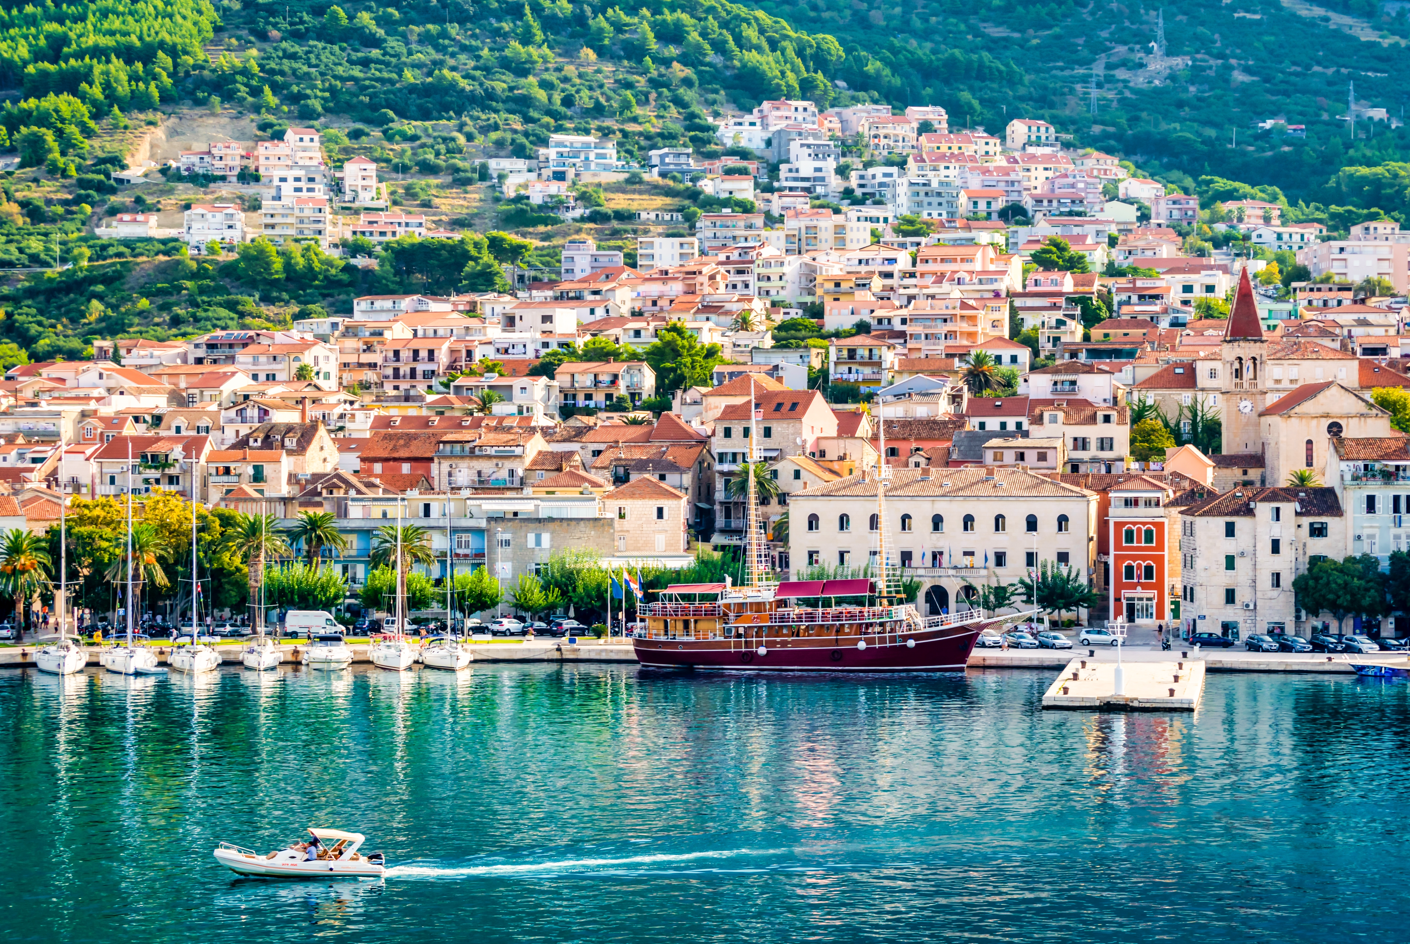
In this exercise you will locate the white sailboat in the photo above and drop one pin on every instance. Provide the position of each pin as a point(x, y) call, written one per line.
point(328, 652)
point(66, 656)
point(132, 657)
point(448, 651)
point(196, 657)
point(393, 650)
point(262, 652)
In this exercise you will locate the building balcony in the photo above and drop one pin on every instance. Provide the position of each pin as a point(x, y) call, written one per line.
point(1376, 476)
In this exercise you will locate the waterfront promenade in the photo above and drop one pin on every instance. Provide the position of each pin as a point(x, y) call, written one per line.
point(619, 651)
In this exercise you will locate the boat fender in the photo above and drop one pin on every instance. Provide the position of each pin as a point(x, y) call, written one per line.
point(910, 643)
point(862, 644)
point(763, 651)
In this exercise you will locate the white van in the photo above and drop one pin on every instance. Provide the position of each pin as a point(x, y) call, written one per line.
point(309, 623)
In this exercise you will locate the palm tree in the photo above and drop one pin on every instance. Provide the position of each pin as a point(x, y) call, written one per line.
point(317, 530)
point(780, 532)
point(744, 320)
point(636, 421)
point(24, 564)
point(149, 549)
point(415, 549)
point(488, 398)
point(981, 374)
point(304, 372)
point(764, 485)
point(1144, 408)
point(1305, 478)
point(256, 540)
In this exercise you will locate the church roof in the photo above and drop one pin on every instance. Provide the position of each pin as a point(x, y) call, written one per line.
point(1243, 319)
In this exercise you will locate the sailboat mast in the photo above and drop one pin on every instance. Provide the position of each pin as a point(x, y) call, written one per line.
point(887, 593)
point(195, 578)
point(754, 549)
point(129, 542)
point(450, 567)
point(63, 540)
point(397, 613)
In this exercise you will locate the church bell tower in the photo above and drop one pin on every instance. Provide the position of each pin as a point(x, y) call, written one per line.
point(1244, 384)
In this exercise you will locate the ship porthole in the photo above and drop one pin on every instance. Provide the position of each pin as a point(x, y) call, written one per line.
point(746, 656)
point(836, 655)
point(861, 644)
point(763, 651)
point(680, 647)
point(910, 643)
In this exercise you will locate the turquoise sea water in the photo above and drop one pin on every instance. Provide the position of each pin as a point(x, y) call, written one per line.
point(611, 804)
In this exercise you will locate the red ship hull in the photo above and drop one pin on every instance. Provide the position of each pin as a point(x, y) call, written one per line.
point(937, 650)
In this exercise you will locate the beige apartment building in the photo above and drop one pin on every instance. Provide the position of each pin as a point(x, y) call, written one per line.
point(301, 219)
point(948, 528)
point(649, 519)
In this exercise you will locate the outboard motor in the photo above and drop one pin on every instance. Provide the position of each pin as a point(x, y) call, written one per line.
point(377, 858)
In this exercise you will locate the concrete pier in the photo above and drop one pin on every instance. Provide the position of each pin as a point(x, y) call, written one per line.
point(1147, 686)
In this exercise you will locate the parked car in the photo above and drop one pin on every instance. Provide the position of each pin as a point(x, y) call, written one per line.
point(1258, 642)
point(1321, 642)
point(1391, 644)
point(1212, 641)
point(989, 639)
point(537, 627)
point(7, 631)
point(506, 626)
point(1020, 640)
point(565, 626)
point(636, 628)
point(1293, 644)
point(1359, 643)
point(231, 631)
point(1098, 637)
point(1053, 640)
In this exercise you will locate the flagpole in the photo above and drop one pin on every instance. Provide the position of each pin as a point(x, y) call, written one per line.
point(609, 600)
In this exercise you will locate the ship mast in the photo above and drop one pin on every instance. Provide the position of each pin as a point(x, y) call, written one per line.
point(888, 584)
point(757, 569)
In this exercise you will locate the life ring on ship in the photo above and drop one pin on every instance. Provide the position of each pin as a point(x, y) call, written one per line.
point(836, 655)
point(746, 656)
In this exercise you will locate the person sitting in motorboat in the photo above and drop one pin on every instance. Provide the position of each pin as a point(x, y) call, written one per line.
point(312, 852)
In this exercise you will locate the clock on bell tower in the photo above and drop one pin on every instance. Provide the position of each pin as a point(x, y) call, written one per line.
point(1244, 391)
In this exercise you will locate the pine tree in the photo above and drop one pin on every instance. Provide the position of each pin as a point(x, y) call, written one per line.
point(267, 101)
point(335, 21)
point(529, 33)
point(600, 33)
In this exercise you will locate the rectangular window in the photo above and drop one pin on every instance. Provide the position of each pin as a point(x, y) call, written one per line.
point(1317, 529)
point(1063, 557)
point(1229, 562)
point(769, 431)
point(1228, 529)
point(1370, 504)
point(813, 558)
point(1277, 547)
point(660, 512)
point(1106, 444)
point(1229, 596)
point(1277, 513)
point(842, 557)
point(1277, 579)
point(797, 474)
point(622, 512)
point(1030, 558)
point(729, 432)
point(1001, 559)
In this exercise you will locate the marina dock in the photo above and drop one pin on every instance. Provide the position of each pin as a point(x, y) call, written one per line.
point(1146, 686)
point(537, 650)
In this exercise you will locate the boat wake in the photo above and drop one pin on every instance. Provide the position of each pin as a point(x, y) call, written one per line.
point(568, 866)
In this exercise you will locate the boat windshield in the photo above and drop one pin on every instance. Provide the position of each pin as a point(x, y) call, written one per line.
point(331, 640)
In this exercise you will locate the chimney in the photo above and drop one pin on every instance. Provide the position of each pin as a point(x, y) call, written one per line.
point(303, 410)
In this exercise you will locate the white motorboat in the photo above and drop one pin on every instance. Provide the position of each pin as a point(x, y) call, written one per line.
point(133, 658)
point(262, 653)
point(337, 857)
point(446, 652)
point(392, 651)
point(64, 657)
point(328, 652)
point(193, 658)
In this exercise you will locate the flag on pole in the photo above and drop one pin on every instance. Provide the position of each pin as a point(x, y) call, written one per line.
point(616, 587)
point(634, 584)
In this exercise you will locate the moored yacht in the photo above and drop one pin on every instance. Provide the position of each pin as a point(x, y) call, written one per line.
point(328, 652)
point(392, 651)
point(131, 657)
point(193, 657)
point(446, 652)
point(64, 657)
point(261, 653)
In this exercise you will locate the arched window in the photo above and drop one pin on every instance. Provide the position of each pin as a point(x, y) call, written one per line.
point(873, 523)
point(844, 522)
point(937, 523)
point(1128, 535)
point(1150, 572)
point(1149, 536)
point(1064, 525)
point(1030, 524)
point(1128, 572)
point(906, 523)
point(1308, 447)
point(1001, 524)
point(813, 522)
point(968, 523)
